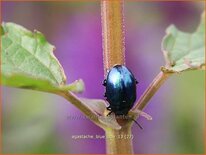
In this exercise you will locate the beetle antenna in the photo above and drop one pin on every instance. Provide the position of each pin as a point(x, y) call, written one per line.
point(137, 123)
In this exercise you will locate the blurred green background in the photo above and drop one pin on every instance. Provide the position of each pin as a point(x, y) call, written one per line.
point(35, 122)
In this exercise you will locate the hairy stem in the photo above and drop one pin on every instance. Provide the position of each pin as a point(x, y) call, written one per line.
point(112, 33)
point(120, 140)
point(82, 106)
point(151, 90)
point(114, 53)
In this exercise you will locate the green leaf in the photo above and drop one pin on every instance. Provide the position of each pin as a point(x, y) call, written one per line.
point(28, 61)
point(184, 51)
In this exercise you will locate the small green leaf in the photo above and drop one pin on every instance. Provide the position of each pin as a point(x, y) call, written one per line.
point(110, 121)
point(99, 107)
point(28, 61)
point(184, 51)
point(96, 105)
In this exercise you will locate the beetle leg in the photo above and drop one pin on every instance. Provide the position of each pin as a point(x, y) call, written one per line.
point(104, 82)
point(136, 81)
point(109, 108)
point(105, 95)
point(110, 113)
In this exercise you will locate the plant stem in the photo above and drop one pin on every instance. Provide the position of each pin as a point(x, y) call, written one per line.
point(114, 53)
point(151, 90)
point(112, 33)
point(119, 141)
point(84, 108)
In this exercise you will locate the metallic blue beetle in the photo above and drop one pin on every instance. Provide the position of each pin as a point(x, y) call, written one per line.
point(120, 90)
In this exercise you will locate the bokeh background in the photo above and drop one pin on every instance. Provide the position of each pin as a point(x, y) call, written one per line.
point(36, 122)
